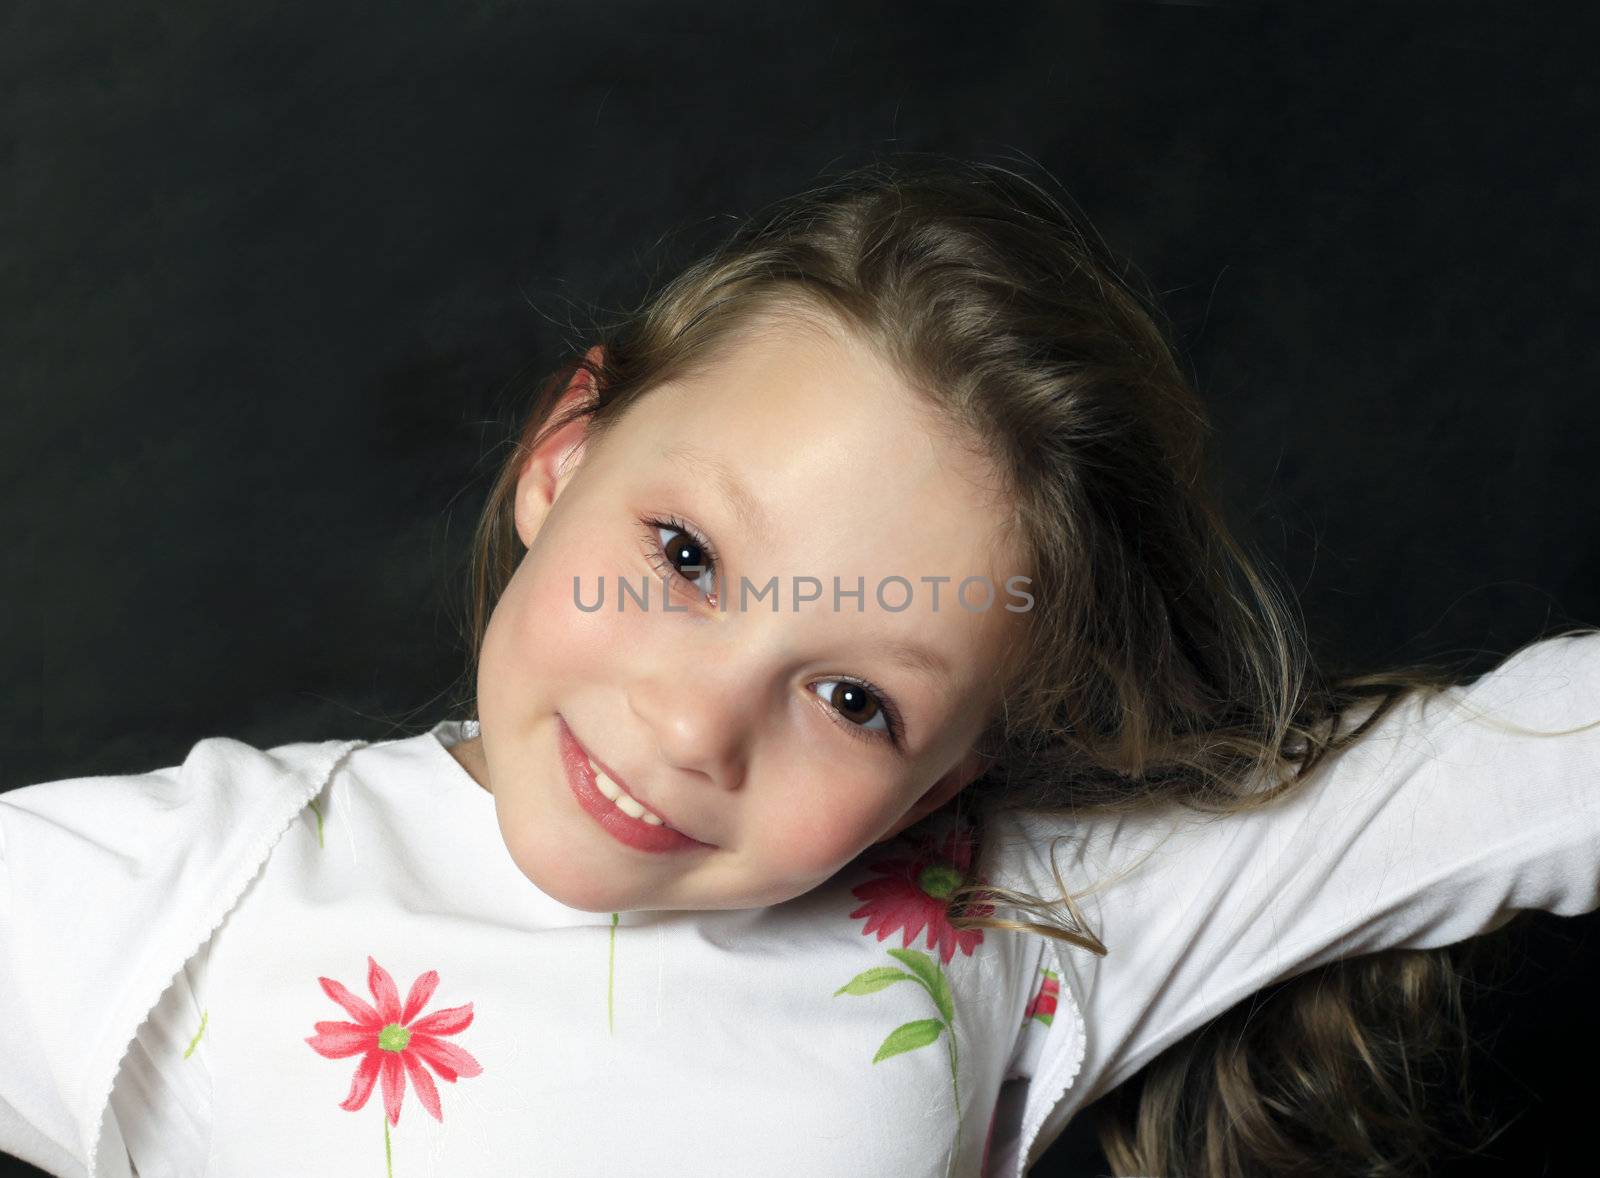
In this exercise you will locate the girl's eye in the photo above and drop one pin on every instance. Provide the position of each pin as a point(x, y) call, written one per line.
point(864, 708)
point(679, 552)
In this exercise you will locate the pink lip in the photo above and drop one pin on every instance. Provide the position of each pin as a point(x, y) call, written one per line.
point(634, 832)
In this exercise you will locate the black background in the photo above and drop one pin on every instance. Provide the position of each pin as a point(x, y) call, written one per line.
point(274, 276)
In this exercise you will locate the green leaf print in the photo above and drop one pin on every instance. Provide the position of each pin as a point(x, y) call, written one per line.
point(872, 980)
point(920, 1032)
point(909, 1037)
point(931, 977)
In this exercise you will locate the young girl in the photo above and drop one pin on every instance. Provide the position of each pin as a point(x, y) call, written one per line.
point(880, 750)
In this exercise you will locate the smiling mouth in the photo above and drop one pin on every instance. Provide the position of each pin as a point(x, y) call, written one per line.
point(623, 800)
point(618, 812)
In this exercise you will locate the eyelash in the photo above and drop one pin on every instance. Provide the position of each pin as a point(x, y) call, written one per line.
point(662, 565)
point(891, 714)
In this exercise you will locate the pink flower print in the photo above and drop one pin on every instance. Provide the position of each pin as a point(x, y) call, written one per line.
point(393, 1046)
point(1042, 1005)
point(913, 892)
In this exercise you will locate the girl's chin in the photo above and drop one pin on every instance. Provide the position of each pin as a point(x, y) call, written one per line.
point(570, 890)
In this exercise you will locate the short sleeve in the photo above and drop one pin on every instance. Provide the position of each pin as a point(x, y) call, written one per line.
point(35, 1123)
point(162, 1096)
point(1048, 1047)
point(1044, 1063)
point(80, 857)
point(109, 886)
point(1441, 823)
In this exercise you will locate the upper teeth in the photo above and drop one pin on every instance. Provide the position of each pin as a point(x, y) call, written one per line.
point(621, 798)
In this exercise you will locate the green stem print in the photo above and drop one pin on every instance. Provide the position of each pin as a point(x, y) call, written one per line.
point(315, 810)
point(611, 972)
point(388, 1155)
point(923, 970)
point(188, 1051)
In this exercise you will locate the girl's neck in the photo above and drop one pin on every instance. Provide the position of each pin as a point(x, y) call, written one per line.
point(469, 754)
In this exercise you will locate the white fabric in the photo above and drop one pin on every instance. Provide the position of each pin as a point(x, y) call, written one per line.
point(109, 884)
point(1440, 824)
point(167, 931)
point(712, 1043)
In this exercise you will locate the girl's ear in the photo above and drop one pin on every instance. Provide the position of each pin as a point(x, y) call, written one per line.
point(550, 465)
point(940, 792)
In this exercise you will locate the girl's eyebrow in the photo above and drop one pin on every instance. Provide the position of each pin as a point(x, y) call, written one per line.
point(750, 510)
point(909, 655)
point(917, 658)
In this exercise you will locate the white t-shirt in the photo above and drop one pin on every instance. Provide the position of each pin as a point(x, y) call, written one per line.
point(237, 965)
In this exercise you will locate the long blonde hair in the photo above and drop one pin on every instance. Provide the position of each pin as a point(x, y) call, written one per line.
point(1161, 660)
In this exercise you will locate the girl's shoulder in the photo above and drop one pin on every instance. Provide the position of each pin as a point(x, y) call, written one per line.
point(157, 833)
point(108, 884)
point(219, 776)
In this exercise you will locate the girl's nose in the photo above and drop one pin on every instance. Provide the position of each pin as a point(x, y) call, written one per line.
point(702, 718)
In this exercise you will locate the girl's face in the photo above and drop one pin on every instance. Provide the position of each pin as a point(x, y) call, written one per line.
point(748, 730)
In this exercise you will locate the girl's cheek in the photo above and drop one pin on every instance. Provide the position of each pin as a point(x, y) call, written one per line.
point(828, 828)
point(564, 609)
